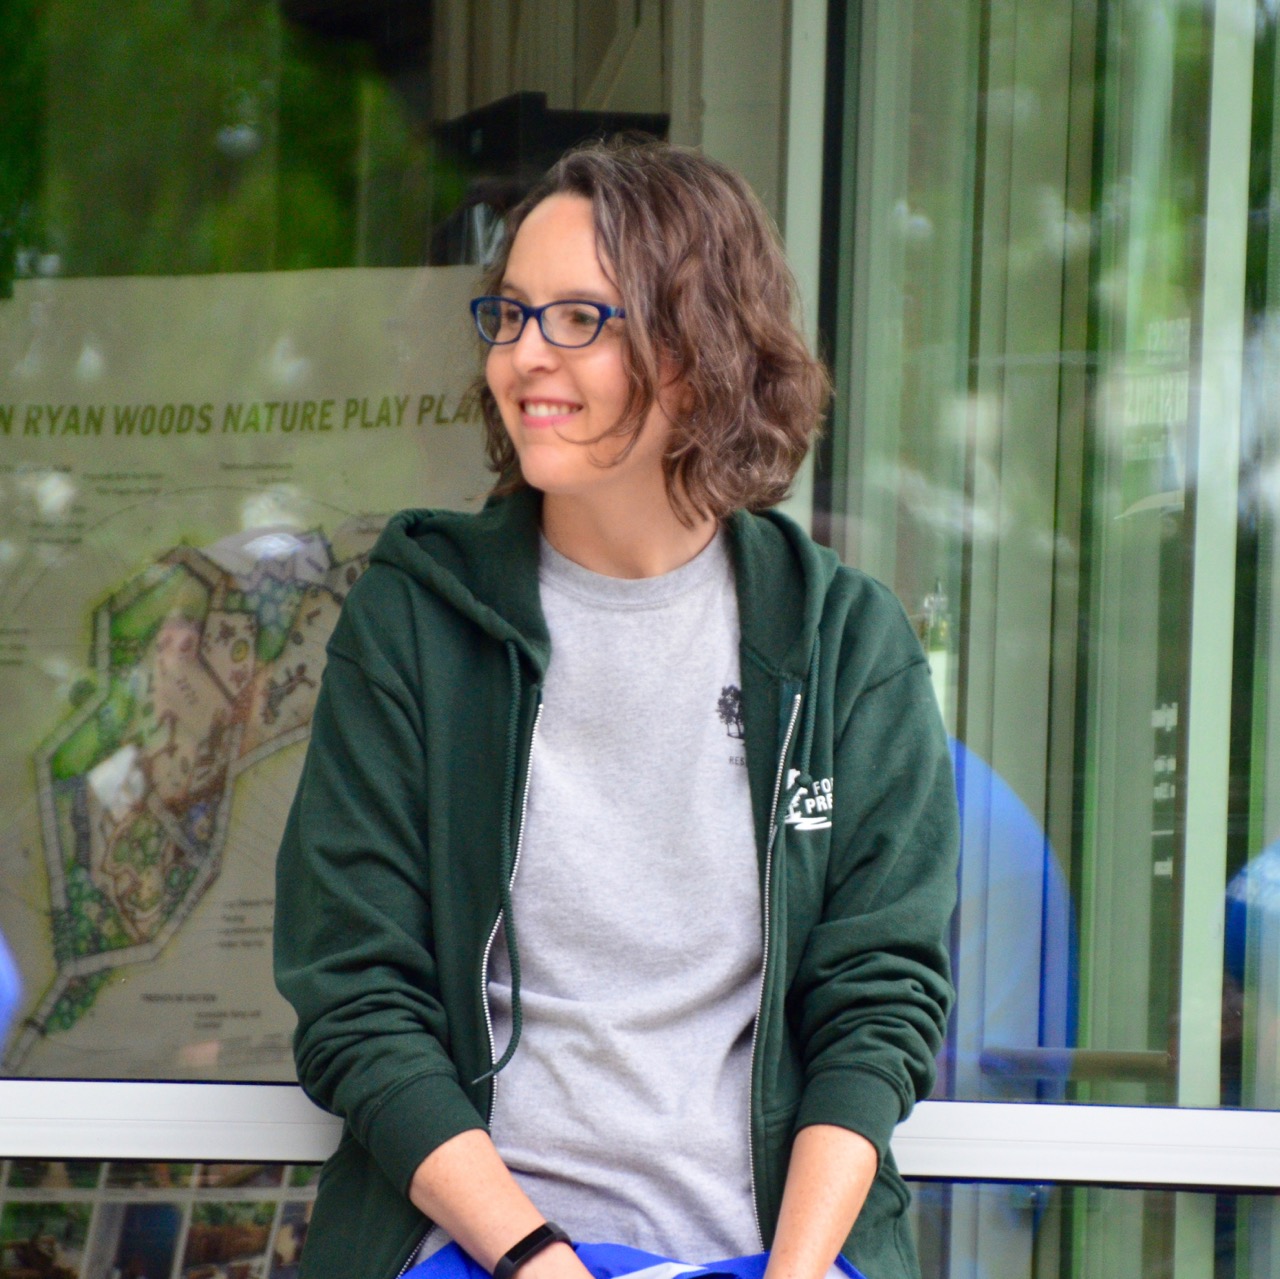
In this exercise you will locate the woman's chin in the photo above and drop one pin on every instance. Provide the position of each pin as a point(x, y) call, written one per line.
point(561, 481)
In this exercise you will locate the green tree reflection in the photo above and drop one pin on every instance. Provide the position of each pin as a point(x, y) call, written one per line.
point(215, 136)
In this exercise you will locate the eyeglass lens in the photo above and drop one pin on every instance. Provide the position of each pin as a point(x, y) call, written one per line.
point(564, 323)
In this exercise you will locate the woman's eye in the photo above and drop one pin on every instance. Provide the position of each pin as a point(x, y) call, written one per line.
point(583, 317)
point(509, 315)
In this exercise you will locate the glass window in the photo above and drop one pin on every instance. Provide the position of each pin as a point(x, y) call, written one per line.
point(199, 1221)
point(94, 1218)
point(236, 245)
point(1021, 1231)
point(1051, 327)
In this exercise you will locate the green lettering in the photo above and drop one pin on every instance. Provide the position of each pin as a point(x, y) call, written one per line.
point(272, 405)
point(32, 424)
point(93, 419)
point(126, 418)
point(252, 419)
point(308, 415)
point(6, 418)
point(231, 417)
point(206, 419)
point(426, 403)
point(54, 413)
point(326, 415)
point(402, 403)
point(350, 413)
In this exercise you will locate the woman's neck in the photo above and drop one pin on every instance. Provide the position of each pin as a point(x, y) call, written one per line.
point(623, 534)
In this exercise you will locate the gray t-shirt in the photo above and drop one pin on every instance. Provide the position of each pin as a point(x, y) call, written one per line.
point(625, 1112)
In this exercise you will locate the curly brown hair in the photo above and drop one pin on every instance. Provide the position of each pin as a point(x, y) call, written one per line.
point(709, 296)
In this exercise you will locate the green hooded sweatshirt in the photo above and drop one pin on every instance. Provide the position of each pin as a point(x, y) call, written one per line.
point(398, 852)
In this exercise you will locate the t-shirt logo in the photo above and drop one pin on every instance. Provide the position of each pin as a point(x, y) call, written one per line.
point(729, 709)
point(811, 806)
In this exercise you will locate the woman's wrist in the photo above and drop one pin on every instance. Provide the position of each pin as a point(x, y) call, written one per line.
point(556, 1260)
point(465, 1188)
point(525, 1249)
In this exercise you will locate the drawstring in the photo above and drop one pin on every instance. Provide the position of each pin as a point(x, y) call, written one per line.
point(508, 871)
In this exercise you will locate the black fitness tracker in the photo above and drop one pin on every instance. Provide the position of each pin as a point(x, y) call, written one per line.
point(532, 1244)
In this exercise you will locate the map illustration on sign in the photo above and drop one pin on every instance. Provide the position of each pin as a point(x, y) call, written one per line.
point(207, 662)
point(193, 471)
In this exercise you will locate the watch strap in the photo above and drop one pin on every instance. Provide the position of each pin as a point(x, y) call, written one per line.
point(532, 1244)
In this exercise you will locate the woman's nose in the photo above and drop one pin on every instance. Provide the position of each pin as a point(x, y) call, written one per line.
point(531, 350)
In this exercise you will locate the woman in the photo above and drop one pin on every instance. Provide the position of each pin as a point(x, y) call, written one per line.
point(615, 888)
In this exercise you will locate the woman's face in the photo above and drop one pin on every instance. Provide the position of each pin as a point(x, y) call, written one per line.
point(555, 400)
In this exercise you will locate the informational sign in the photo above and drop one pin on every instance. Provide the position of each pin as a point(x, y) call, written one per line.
point(192, 474)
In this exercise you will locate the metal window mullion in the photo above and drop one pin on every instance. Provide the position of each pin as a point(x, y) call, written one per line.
point(802, 198)
point(1215, 455)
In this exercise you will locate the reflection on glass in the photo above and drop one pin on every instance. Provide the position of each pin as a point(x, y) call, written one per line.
point(1070, 1232)
point(152, 1220)
point(61, 1174)
point(236, 243)
point(227, 1239)
point(82, 1220)
point(42, 1238)
point(1035, 331)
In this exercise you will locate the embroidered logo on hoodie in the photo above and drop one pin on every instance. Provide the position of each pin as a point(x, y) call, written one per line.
point(811, 806)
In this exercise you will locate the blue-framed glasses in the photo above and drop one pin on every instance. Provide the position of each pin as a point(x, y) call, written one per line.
point(571, 322)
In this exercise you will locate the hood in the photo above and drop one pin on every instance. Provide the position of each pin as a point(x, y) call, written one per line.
point(485, 565)
point(783, 579)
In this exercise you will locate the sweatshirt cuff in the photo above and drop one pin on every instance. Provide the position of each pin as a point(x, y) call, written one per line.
point(859, 1100)
point(416, 1119)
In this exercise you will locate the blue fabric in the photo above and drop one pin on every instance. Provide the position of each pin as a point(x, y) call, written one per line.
point(604, 1261)
point(1015, 904)
point(1253, 905)
point(10, 988)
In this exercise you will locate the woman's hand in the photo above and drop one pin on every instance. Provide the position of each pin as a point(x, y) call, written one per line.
point(466, 1189)
point(830, 1172)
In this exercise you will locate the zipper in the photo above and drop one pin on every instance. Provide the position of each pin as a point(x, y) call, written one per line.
point(497, 923)
point(484, 965)
point(417, 1248)
point(764, 961)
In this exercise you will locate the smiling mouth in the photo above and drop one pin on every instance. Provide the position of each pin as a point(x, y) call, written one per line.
point(547, 408)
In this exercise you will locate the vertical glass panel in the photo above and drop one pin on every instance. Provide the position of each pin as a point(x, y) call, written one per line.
point(1146, 288)
point(1251, 1002)
point(236, 244)
point(1050, 326)
point(1087, 1232)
